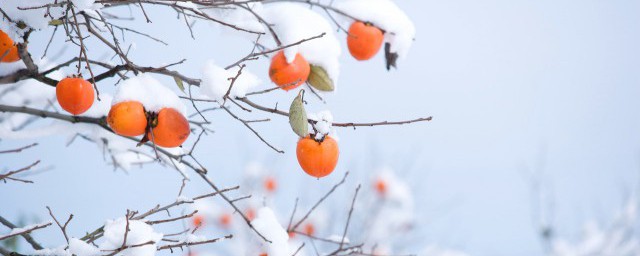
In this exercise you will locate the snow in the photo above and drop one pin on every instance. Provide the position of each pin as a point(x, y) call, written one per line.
point(616, 239)
point(302, 23)
point(34, 18)
point(23, 229)
point(139, 233)
point(267, 224)
point(84, 4)
point(60, 251)
point(145, 89)
point(338, 239)
point(324, 123)
point(215, 81)
point(384, 14)
point(191, 238)
point(78, 247)
point(240, 18)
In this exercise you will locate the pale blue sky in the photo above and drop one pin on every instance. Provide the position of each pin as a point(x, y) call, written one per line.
point(512, 85)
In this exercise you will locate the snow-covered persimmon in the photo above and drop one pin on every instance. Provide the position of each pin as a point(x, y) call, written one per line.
point(270, 184)
point(75, 95)
point(289, 75)
point(317, 158)
point(197, 220)
point(364, 40)
point(8, 49)
point(170, 129)
point(127, 118)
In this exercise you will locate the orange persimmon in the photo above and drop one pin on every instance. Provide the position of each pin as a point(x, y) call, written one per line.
point(317, 158)
point(169, 129)
point(75, 95)
point(127, 118)
point(289, 75)
point(8, 49)
point(364, 40)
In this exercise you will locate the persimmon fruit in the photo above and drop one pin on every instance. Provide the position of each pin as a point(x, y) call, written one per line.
point(309, 229)
point(381, 186)
point(169, 128)
point(225, 219)
point(317, 158)
point(8, 48)
point(75, 95)
point(127, 118)
point(286, 75)
point(364, 40)
point(197, 220)
point(270, 184)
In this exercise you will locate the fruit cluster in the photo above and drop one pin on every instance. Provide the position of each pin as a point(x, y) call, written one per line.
point(319, 157)
point(166, 128)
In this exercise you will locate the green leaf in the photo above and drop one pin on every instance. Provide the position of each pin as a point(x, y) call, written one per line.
point(298, 116)
point(319, 79)
point(179, 83)
point(55, 22)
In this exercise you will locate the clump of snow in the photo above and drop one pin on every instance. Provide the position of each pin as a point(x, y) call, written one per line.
point(191, 238)
point(139, 233)
point(216, 81)
point(80, 248)
point(384, 14)
point(267, 224)
point(150, 92)
point(60, 251)
point(324, 123)
point(239, 17)
point(338, 239)
point(300, 23)
point(33, 18)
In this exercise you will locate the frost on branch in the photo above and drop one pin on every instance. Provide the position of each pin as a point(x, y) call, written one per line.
point(139, 233)
point(216, 82)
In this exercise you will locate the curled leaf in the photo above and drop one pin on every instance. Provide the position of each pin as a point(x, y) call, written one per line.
point(179, 83)
point(298, 116)
point(319, 79)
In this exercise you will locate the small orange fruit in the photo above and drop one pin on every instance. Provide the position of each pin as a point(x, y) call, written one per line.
point(381, 186)
point(309, 229)
point(197, 220)
point(127, 118)
point(317, 158)
point(364, 40)
point(171, 129)
point(270, 184)
point(8, 47)
point(225, 219)
point(251, 214)
point(289, 75)
point(75, 95)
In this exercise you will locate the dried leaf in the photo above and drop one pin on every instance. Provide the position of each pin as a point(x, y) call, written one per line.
point(298, 116)
point(55, 22)
point(179, 83)
point(319, 79)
